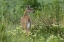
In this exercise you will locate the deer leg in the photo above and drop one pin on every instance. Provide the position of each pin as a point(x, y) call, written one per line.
point(27, 32)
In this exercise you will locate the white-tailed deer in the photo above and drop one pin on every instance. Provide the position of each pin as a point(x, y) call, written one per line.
point(25, 20)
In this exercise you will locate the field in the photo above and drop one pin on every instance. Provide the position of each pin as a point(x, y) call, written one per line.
point(47, 23)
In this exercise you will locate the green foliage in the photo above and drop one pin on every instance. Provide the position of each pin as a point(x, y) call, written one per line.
point(34, 3)
point(2, 33)
point(47, 23)
point(40, 35)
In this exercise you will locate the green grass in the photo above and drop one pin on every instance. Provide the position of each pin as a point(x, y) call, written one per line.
point(15, 33)
point(44, 22)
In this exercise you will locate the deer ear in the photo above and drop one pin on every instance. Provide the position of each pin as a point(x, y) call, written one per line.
point(28, 6)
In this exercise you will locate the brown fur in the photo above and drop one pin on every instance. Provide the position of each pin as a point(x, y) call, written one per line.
point(26, 19)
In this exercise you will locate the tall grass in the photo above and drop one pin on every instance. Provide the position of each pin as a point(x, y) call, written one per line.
point(47, 22)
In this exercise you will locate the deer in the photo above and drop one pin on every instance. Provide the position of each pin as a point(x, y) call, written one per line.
point(26, 20)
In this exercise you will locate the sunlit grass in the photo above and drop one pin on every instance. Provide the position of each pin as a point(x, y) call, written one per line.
point(19, 35)
point(44, 26)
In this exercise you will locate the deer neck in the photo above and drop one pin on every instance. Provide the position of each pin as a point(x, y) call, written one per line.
point(26, 13)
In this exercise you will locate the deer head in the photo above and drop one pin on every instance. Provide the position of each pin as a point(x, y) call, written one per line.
point(29, 9)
